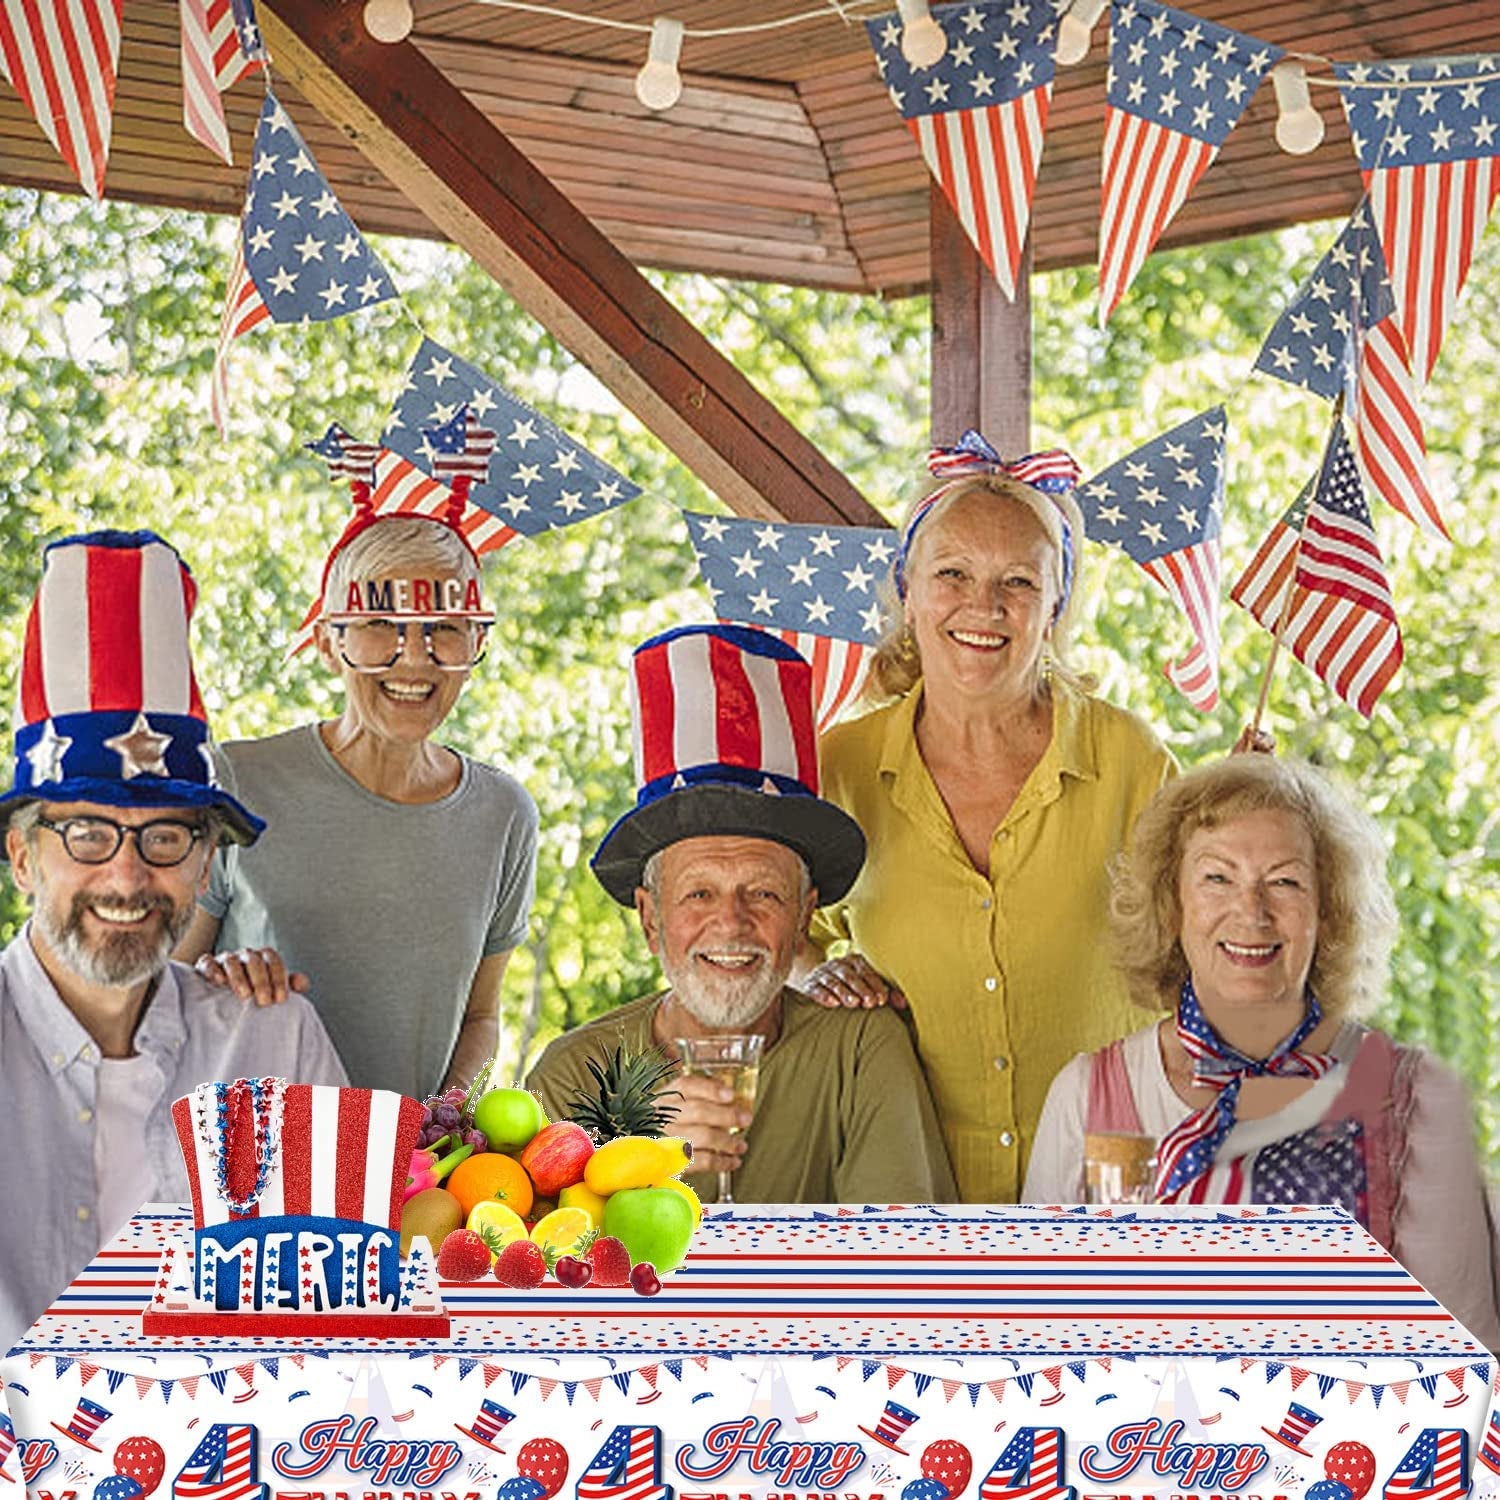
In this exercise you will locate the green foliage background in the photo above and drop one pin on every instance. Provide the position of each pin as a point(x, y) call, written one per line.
point(107, 322)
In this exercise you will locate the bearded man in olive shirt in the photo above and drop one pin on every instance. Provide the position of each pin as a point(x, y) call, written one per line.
point(725, 859)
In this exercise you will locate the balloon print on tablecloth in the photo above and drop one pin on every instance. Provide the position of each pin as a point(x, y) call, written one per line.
point(948, 1462)
point(924, 1489)
point(141, 1459)
point(1352, 1464)
point(1329, 1489)
point(546, 1461)
point(520, 1488)
point(117, 1487)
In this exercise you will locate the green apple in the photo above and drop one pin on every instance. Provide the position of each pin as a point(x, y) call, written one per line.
point(508, 1117)
point(654, 1224)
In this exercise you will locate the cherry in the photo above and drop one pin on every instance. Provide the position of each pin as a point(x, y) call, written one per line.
point(572, 1271)
point(644, 1279)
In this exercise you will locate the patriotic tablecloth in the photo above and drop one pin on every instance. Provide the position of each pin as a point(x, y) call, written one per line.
point(851, 1353)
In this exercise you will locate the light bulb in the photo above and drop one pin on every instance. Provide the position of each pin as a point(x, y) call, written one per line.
point(659, 85)
point(1075, 30)
point(388, 20)
point(922, 40)
point(1299, 127)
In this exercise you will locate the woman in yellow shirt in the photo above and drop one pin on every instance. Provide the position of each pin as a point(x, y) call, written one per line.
point(993, 789)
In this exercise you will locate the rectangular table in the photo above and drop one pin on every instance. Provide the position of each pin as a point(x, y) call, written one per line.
point(953, 1353)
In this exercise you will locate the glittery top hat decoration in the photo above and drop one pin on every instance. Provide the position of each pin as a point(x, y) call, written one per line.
point(109, 710)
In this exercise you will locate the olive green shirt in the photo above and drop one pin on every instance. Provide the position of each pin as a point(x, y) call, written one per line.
point(843, 1113)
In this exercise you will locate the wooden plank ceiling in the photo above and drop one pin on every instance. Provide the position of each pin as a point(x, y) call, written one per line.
point(784, 161)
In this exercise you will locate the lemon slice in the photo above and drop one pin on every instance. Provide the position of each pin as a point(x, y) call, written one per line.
point(563, 1230)
point(496, 1224)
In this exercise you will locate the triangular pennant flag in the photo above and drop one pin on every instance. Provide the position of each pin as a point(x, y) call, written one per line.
point(1483, 1373)
point(61, 57)
point(622, 1382)
point(1053, 1377)
point(1273, 1369)
point(1176, 87)
point(1298, 1376)
point(280, 272)
point(297, 1359)
point(86, 1371)
point(36, 1359)
point(893, 1374)
point(1429, 1384)
point(1163, 507)
point(868, 1367)
point(978, 114)
point(1104, 1365)
point(246, 1372)
point(1354, 1387)
point(593, 1387)
point(272, 1367)
point(1455, 1377)
point(216, 54)
point(570, 1389)
point(190, 1385)
point(166, 1391)
point(466, 1367)
point(547, 1386)
point(996, 1388)
point(1325, 1384)
point(1377, 1391)
point(1026, 1382)
point(673, 1367)
point(1079, 1369)
point(921, 1382)
point(1245, 1364)
point(218, 1378)
point(701, 1360)
point(142, 1385)
point(648, 1374)
point(439, 1360)
point(1401, 1387)
point(1423, 133)
point(950, 1390)
point(60, 1366)
point(974, 1388)
point(538, 477)
point(491, 1374)
point(842, 1362)
point(114, 1377)
point(517, 1381)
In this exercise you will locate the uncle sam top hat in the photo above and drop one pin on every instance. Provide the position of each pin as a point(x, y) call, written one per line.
point(726, 743)
point(109, 710)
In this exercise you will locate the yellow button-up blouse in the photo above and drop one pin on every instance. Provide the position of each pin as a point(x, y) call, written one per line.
point(1007, 976)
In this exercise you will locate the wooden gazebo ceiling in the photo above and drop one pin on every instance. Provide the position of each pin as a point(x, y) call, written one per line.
point(784, 161)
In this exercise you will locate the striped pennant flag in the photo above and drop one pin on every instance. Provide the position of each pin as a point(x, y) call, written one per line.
point(978, 114)
point(1425, 133)
point(219, 47)
point(1163, 508)
point(298, 256)
point(814, 586)
point(61, 57)
point(1338, 336)
point(1177, 86)
point(1318, 582)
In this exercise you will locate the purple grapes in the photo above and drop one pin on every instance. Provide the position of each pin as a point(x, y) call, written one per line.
point(477, 1139)
point(446, 1115)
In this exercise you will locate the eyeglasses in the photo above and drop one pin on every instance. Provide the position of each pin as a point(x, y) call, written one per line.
point(163, 842)
point(376, 644)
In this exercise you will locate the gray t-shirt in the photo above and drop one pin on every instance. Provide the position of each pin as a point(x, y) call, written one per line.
point(388, 907)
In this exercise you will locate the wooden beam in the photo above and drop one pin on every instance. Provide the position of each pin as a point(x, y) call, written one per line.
point(483, 194)
point(981, 340)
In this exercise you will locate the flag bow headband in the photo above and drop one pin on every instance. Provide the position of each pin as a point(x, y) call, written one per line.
point(1053, 472)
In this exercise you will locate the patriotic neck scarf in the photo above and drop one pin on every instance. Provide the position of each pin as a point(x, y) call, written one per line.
point(1188, 1150)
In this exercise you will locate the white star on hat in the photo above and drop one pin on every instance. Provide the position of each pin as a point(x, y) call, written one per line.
point(141, 749)
point(46, 756)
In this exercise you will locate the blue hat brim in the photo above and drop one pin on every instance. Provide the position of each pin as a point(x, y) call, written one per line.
point(830, 842)
point(240, 824)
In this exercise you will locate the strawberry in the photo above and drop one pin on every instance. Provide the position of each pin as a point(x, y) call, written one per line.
point(610, 1260)
point(521, 1264)
point(464, 1256)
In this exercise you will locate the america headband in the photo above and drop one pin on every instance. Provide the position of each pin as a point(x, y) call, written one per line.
point(1053, 472)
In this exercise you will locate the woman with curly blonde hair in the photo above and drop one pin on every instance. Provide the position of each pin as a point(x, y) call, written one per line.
point(1253, 906)
point(993, 787)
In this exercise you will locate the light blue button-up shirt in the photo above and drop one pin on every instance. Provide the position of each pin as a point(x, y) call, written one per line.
point(192, 1031)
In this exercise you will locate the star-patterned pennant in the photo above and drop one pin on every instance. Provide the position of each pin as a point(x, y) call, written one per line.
point(814, 586)
point(1163, 507)
point(537, 477)
point(298, 257)
point(1339, 336)
point(1427, 135)
point(979, 114)
point(1177, 86)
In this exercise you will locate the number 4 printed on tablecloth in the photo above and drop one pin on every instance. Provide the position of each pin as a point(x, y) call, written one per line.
point(1031, 1468)
point(1436, 1467)
point(222, 1466)
point(627, 1467)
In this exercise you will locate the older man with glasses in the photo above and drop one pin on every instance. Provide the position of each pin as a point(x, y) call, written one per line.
point(110, 829)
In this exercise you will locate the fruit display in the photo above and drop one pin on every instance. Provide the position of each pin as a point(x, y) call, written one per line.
point(593, 1200)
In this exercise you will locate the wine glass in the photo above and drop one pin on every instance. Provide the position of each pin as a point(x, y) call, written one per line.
point(732, 1058)
point(1119, 1167)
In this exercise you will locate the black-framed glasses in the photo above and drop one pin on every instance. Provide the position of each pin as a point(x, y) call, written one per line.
point(163, 842)
point(373, 645)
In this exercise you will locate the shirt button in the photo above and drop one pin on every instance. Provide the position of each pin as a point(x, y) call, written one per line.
point(986, 904)
point(84, 1213)
point(1001, 1064)
point(991, 983)
point(85, 1052)
point(1007, 1138)
point(84, 1116)
point(59, 1058)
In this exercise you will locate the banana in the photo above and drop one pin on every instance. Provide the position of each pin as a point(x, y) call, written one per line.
point(635, 1161)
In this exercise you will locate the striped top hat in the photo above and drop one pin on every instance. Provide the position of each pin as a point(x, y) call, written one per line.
point(725, 744)
point(1295, 1426)
point(109, 710)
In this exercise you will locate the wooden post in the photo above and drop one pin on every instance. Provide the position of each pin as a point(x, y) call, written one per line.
point(449, 160)
point(981, 341)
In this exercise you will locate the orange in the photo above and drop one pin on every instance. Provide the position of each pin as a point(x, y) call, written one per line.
point(562, 1230)
point(491, 1175)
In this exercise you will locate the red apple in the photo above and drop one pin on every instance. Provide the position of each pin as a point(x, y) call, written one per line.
point(555, 1157)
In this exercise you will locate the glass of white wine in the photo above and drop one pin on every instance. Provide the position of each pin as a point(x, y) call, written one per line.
point(733, 1058)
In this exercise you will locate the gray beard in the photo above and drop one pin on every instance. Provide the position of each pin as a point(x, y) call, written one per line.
point(119, 959)
point(722, 1003)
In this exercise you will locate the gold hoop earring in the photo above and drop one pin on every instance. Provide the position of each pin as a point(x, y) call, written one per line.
point(906, 644)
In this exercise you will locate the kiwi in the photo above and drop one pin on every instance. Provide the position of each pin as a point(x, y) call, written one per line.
point(435, 1213)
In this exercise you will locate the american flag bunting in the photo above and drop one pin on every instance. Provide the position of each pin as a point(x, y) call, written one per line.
point(814, 586)
point(537, 477)
point(1425, 133)
point(219, 47)
point(1177, 85)
point(979, 114)
point(1163, 507)
point(298, 256)
point(1339, 336)
point(62, 57)
point(1318, 582)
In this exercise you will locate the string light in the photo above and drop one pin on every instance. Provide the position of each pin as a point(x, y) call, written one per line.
point(1299, 127)
point(1076, 28)
point(659, 85)
point(388, 20)
point(923, 42)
